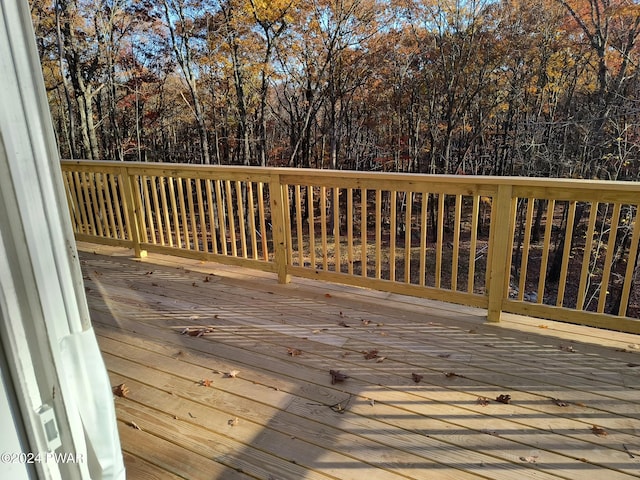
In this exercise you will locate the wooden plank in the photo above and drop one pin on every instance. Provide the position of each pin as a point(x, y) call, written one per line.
point(473, 247)
point(613, 233)
point(222, 222)
point(551, 205)
point(140, 469)
point(174, 459)
point(241, 223)
point(408, 232)
point(568, 240)
point(252, 221)
point(335, 203)
point(364, 224)
point(586, 256)
point(456, 242)
point(439, 240)
point(311, 227)
point(350, 220)
point(263, 227)
point(393, 228)
point(378, 244)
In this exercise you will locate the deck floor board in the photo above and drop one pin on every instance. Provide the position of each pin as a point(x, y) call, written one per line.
point(379, 423)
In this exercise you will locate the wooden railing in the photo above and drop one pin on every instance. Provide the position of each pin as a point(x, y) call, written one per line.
point(557, 249)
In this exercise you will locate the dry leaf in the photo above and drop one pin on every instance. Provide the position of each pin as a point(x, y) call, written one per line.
point(452, 375)
point(233, 421)
point(483, 401)
point(503, 398)
point(196, 332)
point(135, 425)
point(337, 376)
point(567, 348)
point(380, 359)
point(205, 382)
point(232, 374)
point(531, 459)
point(599, 431)
point(559, 402)
point(120, 390)
point(372, 402)
point(370, 354)
point(543, 326)
point(327, 295)
point(416, 377)
point(294, 352)
point(365, 322)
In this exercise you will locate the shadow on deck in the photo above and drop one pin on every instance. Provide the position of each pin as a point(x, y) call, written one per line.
point(228, 378)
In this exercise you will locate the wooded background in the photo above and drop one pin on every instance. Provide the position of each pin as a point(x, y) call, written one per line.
point(507, 87)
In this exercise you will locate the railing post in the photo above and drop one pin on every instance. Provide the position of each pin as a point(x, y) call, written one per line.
point(132, 209)
point(278, 220)
point(500, 242)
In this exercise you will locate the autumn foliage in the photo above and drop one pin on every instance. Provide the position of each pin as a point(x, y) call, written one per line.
point(536, 87)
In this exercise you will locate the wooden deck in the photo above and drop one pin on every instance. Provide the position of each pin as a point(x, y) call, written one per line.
point(252, 396)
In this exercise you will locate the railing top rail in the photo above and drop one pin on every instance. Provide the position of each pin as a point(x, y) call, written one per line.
point(325, 175)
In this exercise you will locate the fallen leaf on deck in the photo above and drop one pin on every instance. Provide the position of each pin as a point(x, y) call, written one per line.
point(135, 425)
point(567, 348)
point(196, 332)
point(120, 390)
point(372, 402)
point(380, 359)
point(365, 322)
point(599, 431)
point(503, 398)
point(370, 354)
point(559, 402)
point(543, 326)
point(294, 352)
point(205, 382)
point(634, 346)
point(233, 422)
point(337, 376)
point(232, 374)
point(327, 295)
point(416, 377)
point(531, 459)
point(483, 401)
point(452, 375)
point(149, 273)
